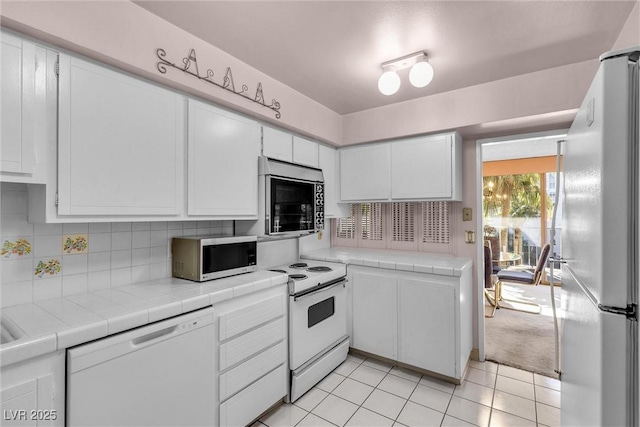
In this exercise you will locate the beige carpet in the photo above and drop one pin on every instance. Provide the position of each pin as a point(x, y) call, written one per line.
point(523, 340)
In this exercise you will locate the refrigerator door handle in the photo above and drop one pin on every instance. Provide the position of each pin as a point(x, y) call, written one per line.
point(630, 311)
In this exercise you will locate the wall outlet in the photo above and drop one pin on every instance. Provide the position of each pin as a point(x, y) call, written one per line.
point(466, 214)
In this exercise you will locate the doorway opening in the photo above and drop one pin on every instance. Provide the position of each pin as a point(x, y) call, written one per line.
point(517, 192)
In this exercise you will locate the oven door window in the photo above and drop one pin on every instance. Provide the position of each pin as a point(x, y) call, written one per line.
point(292, 204)
point(320, 311)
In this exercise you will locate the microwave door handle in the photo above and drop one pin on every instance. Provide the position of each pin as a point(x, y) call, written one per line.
point(317, 291)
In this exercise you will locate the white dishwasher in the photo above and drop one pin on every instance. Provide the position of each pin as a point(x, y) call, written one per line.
point(161, 374)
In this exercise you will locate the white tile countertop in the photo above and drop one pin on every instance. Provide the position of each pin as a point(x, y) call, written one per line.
point(61, 323)
point(419, 262)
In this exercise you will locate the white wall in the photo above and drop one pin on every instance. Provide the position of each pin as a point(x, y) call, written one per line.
point(122, 34)
point(630, 34)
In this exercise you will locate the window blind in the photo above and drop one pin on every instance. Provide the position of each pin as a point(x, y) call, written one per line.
point(403, 218)
point(435, 222)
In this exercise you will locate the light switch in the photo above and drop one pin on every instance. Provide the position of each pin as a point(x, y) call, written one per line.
point(466, 214)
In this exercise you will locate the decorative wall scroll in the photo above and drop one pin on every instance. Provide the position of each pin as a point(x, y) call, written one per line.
point(190, 66)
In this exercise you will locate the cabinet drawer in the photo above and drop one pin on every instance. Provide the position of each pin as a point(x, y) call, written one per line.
point(236, 350)
point(239, 321)
point(247, 405)
point(242, 375)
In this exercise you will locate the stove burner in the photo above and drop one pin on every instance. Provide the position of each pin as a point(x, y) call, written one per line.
point(319, 269)
point(278, 271)
point(299, 265)
point(297, 276)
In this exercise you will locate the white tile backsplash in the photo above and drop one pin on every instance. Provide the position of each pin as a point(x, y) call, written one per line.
point(119, 253)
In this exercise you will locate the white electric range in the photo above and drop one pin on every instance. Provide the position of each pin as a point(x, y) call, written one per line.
point(318, 340)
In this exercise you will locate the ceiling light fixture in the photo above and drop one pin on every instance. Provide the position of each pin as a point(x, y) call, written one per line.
point(420, 75)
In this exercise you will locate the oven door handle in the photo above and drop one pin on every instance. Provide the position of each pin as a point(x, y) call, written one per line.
point(315, 291)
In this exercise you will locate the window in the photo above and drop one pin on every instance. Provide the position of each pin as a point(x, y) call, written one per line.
point(424, 226)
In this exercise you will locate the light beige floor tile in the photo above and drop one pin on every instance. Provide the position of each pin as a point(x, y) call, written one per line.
point(431, 398)
point(548, 415)
point(366, 418)
point(469, 411)
point(335, 410)
point(407, 374)
point(548, 396)
point(514, 405)
point(417, 415)
point(484, 366)
point(355, 358)
point(502, 419)
point(385, 403)
point(382, 366)
point(449, 421)
point(353, 391)
point(330, 382)
point(517, 387)
point(547, 382)
point(475, 392)
point(286, 415)
point(437, 384)
point(312, 420)
point(487, 379)
point(515, 373)
point(346, 367)
point(367, 375)
point(398, 386)
point(311, 399)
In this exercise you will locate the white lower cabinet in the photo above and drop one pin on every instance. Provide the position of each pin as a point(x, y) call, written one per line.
point(375, 312)
point(33, 392)
point(421, 320)
point(252, 347)
point(427, 325)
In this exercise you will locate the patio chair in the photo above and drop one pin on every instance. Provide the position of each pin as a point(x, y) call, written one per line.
point(521, 276)
point(489, 288)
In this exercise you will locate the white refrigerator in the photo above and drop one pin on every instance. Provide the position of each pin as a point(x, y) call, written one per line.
point(601, 250)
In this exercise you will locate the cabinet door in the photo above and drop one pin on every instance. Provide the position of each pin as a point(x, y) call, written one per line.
point(17, 87)
point(427, 325)
point(305, 152)
point(327, 162)
point(121, 143)
point(277, 144)
point(375, 313)
point(223, 163)
point(364, 173)
point(421, 168)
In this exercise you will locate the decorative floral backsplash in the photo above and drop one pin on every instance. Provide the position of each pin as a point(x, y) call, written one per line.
point(51, 268)
point(19, 248)
point(75, 244)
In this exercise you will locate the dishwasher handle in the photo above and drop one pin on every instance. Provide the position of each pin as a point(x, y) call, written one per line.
point(153, 336)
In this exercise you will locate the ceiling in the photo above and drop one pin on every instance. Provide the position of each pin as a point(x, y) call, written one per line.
point(331, 51)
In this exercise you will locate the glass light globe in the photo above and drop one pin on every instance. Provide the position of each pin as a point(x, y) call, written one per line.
point(389, 83)
point(421, 74)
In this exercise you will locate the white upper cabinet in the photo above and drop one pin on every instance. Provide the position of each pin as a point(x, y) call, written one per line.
point(305, 152)
point(222, 163)
point(327, 161)
point(121, 143)
point(421, 168)
point(277, 144)
point(364, 173)
point(18, 68)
